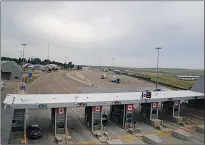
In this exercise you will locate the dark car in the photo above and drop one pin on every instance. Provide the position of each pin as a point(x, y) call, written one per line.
point(34, 131)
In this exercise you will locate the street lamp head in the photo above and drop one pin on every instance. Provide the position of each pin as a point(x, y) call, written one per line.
point(24, 44)
point(158, 48)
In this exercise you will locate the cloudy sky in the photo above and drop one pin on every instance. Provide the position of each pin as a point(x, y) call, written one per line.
point(89, 32)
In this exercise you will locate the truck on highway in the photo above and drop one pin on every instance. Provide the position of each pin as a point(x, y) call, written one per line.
point(103, 76)
point(53, 66)
point(115, 79)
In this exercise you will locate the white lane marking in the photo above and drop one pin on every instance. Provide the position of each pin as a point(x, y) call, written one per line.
point(50, 84)
point(75, 111)
point(52, 88)
point(64, 80)
point(62, 86)
point(49, 111)
point(36, 80)
point(68, 84)
point(38, 90)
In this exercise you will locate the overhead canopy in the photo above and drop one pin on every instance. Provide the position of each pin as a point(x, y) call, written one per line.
point(28, 101)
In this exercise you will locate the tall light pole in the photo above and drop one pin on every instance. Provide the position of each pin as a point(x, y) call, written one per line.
point(21, 58)
point(21, 54)
point(99, 65)
point(113, 62)
point(48, 52)
point(65, 62)
point(24, 45)
point(158, 48)
point(65, 59)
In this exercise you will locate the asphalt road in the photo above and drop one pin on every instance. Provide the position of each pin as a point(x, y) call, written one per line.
point(58, 83)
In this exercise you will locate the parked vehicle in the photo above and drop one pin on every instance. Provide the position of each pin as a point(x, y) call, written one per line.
point(34, 131)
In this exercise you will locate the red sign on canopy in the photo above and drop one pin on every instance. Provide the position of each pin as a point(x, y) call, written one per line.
point(176, 103)
point(154, 105)
point(130, 107)
point(97, 108)
point(60, 110)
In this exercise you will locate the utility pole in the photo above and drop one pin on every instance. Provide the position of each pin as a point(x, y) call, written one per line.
point(158, 48)
point(24, 45)
point(99, 65)
point(21, 58)
point(48, 53)
point(65, 62)
point(113, 64)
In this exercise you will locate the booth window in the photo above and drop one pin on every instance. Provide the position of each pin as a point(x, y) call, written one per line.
point(17, 128)
point(154, 111)
point(60, 125)
point(175, 109)
point(96, 122)
point(129, 115)
point(13, 121)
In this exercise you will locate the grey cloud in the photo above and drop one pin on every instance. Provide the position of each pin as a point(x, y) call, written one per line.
point(90, 31)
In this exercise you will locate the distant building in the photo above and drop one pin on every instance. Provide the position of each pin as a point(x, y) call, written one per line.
point(197, 87)
point(10, 70)
point(188, 78)
point(117, 71)
point(85, 67)
point(105, 69)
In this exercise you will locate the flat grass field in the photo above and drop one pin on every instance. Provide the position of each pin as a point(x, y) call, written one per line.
point(167, 75)
point(170, 79)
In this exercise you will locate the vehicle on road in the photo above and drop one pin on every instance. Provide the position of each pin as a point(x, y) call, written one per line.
point(115, 79)
point(34, 131)
point(53, 66)
point(103, 76)
point(104, 119)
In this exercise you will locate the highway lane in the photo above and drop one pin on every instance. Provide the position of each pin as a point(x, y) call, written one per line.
point(41, 116)
point(49, 84)
point(113, 129)
point(78, 131)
